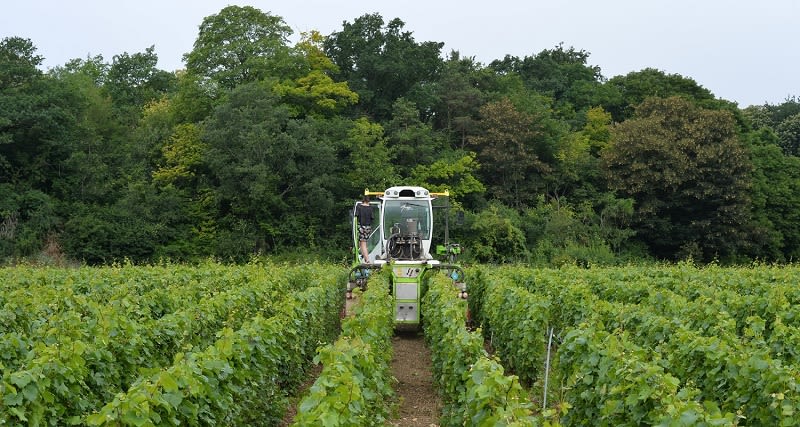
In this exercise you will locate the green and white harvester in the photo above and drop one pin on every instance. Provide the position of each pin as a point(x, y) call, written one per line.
point(401, 241)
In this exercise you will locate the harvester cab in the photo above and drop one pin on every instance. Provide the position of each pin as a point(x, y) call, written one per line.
point(401, 240)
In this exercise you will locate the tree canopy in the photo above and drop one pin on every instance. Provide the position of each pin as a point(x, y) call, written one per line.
point(688, 174)
point(261, 145)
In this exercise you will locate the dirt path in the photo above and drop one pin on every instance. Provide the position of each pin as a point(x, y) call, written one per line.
point(302, 390)
point(420, 404)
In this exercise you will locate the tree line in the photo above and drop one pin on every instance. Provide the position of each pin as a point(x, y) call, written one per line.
point(260, 146)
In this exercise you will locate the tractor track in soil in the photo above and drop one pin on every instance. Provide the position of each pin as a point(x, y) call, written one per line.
point(419, 404)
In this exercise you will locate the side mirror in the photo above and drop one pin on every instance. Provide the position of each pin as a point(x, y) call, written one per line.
point(460, 218)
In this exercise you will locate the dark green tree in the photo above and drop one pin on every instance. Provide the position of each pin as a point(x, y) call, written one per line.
point(109, 208)
point(637, 86)
point(241, 44)
point(271, 174)
point(36, 118)
point(460, 92)
point(93, 68)
point(134, 80)
point(411, 142)
point(367, 158)
point(91, 170)
point(552, 71)
point(771, 116)
point(43, 120)
point(383, 63)
point(28, 218)
point(776, 199)
point(509, 148)
point(689, 175)
point(564, 74)
point(493, 235)
point(141, 225)
point(782, 119)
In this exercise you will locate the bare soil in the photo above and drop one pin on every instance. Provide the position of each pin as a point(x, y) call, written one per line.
point(419, 402)
point(302, 390)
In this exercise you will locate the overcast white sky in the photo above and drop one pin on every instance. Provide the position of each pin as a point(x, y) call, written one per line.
point(743, 51)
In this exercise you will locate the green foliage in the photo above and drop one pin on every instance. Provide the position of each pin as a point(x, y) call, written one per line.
point(26, 220)
point(474, 388)
point(635, 87)
point(560, 233)
point(162, 345)
point(614, 383)
point(260, 147)
point(282, 181)
point(509, 147)
point(459, 96)
point(135, 227)
point(382, 63)
point(689, 175)
point(458, 176)
point(771, 116)
point(776, 181)
point(182, 155)
point(412, 143)
point(495, 236)
point(671, 345)
point(193, 99)
point(369, 159)
point(316, 92)
point(564, 75)
point(238, 45)
point(36, 118)
point(354, 387)
point(517, 321)
point(134, 80)
point(19, 59)
point(789, 134)
point(493, 398)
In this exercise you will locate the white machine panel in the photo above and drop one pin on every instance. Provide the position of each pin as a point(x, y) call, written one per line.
point(407, 312)
point(406, 291)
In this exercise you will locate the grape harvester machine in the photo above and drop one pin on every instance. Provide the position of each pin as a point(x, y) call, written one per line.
point(401, 240)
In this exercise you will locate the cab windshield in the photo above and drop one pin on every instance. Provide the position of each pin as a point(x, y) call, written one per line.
point(409, 216)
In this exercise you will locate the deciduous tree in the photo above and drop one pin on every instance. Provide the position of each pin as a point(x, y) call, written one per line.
point(637, 86)
point(240, 44)
point(382, 62)
point(271, 172)
point(411, 141)
point(689, 175)
point(508, 144)
point(789, 135)
point(776, 199)
point(315, 92)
